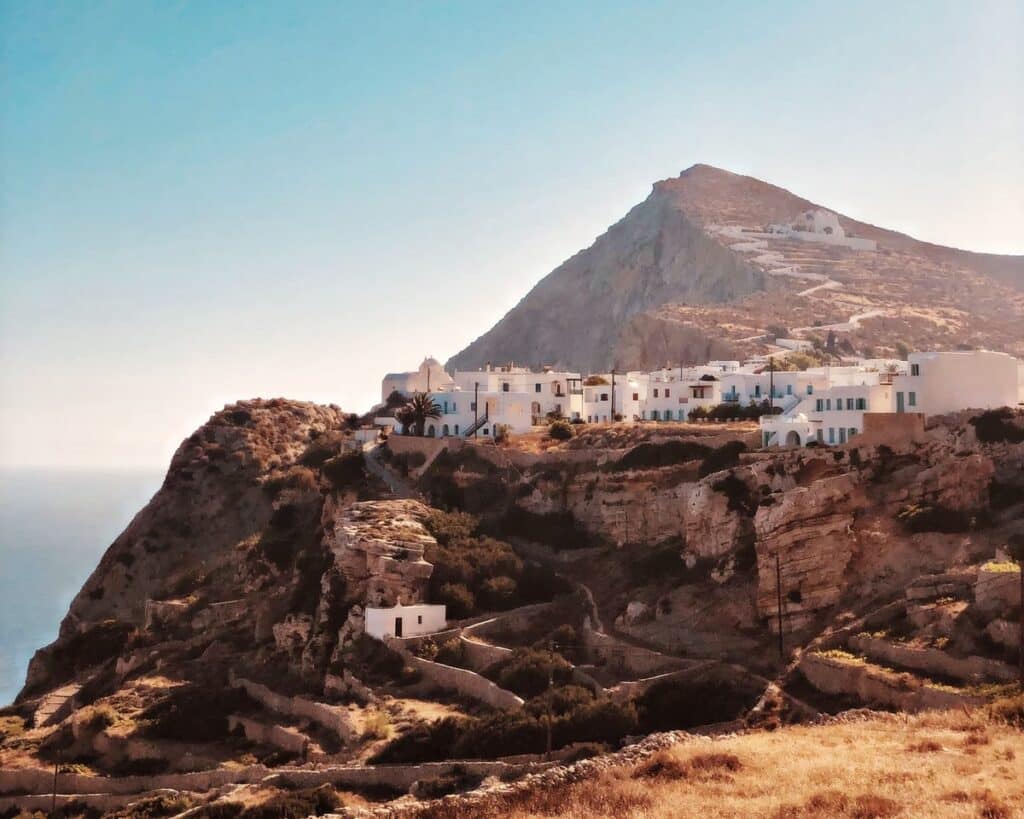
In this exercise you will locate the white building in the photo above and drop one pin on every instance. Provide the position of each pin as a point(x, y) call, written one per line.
point(821, 226)
point(405, 621)
point(477, 402)
point(928, 383)
point(429, 377)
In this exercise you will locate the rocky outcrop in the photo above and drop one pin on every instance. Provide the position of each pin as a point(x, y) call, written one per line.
point(808, 532)
point(378, 546)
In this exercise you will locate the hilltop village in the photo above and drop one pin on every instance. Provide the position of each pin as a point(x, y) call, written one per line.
point(829, 404)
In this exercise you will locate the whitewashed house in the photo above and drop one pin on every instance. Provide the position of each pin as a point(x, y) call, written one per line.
point(928, 383)
point(405, 621)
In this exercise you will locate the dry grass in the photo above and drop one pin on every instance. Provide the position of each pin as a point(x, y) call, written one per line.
point(885, 766)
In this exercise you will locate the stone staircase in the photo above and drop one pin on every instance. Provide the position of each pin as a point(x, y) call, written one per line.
point(56, 705)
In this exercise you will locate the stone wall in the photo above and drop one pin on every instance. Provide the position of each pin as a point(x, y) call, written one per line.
point(479, 655)
point(877, 686)
point(997, 592)
point(934, 661)
point(628, 658)
point(277, 736)
point(40, 781)
point(460, 680)
point(332, 717)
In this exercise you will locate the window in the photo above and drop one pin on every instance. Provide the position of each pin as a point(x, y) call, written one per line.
point(842, 435)
point(849, 403)
point(504, 386)
point(456, 429)
point(636, 396)
point(757, 390)
point(862, 403)
point(655, 392)
point(472, 405)
point(831, 435)
point(853, 431)
point(810, 389)
point(828, 403)
point(912, 399)
point(654, 415)
point(820, 435)
point(666, 393)
point(915, 369)
point(682, 414)
point(819, 405)
point(485, 430)
point(604, 396)
point(419, 619)
point(789, 389)
point(454, 408)
point(536, 387)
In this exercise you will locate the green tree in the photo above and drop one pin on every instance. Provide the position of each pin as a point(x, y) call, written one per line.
point(420, 408)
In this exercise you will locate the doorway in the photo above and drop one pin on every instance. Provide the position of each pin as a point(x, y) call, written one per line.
point(398, 626)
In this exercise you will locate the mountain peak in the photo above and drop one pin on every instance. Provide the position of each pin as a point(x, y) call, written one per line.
point(692, 274)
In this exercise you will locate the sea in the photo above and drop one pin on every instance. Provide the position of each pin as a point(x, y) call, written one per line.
point(54, 527)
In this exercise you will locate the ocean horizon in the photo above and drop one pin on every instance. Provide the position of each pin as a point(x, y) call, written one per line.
point(55, 526)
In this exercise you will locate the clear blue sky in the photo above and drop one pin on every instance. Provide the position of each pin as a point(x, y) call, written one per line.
point(204, 201)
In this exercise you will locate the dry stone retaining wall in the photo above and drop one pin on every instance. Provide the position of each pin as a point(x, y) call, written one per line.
point(934, 661)
point(873, 684)
point(332, 717)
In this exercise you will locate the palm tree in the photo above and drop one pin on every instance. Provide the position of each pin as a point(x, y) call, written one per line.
point(421, 407)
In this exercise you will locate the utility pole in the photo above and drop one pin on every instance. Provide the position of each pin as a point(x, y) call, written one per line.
point(551, 684)
point(476, 406)
point(771, 385)
point(613, 395)
point(778, 601)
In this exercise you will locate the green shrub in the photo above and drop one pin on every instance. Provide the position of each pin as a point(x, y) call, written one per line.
point(455, 782)
point(458, 599)
point(559, 701)
point(738, 493)
point(559, 530)
point(451, 652)
point(998, 425)
point(529, 672)
point(725, 457)
point(601, 720)
point(451, 526)
point(561, 430)
point(653, 456)
point(499, 593)
point(193, 713)
point(345, 471)
point(673, 705)
point(153, 807)
point(473, 572)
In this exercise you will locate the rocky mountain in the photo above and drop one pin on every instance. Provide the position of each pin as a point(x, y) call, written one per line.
point(682, 278)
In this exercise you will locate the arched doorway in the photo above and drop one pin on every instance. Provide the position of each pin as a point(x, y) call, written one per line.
point(444, 430)
point(430, 431)
point(793, 438)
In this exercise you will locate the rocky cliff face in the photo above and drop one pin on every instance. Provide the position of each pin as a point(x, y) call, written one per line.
point(679, 279)
point(233, 540)
point(592, 312)
point(844, 521)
